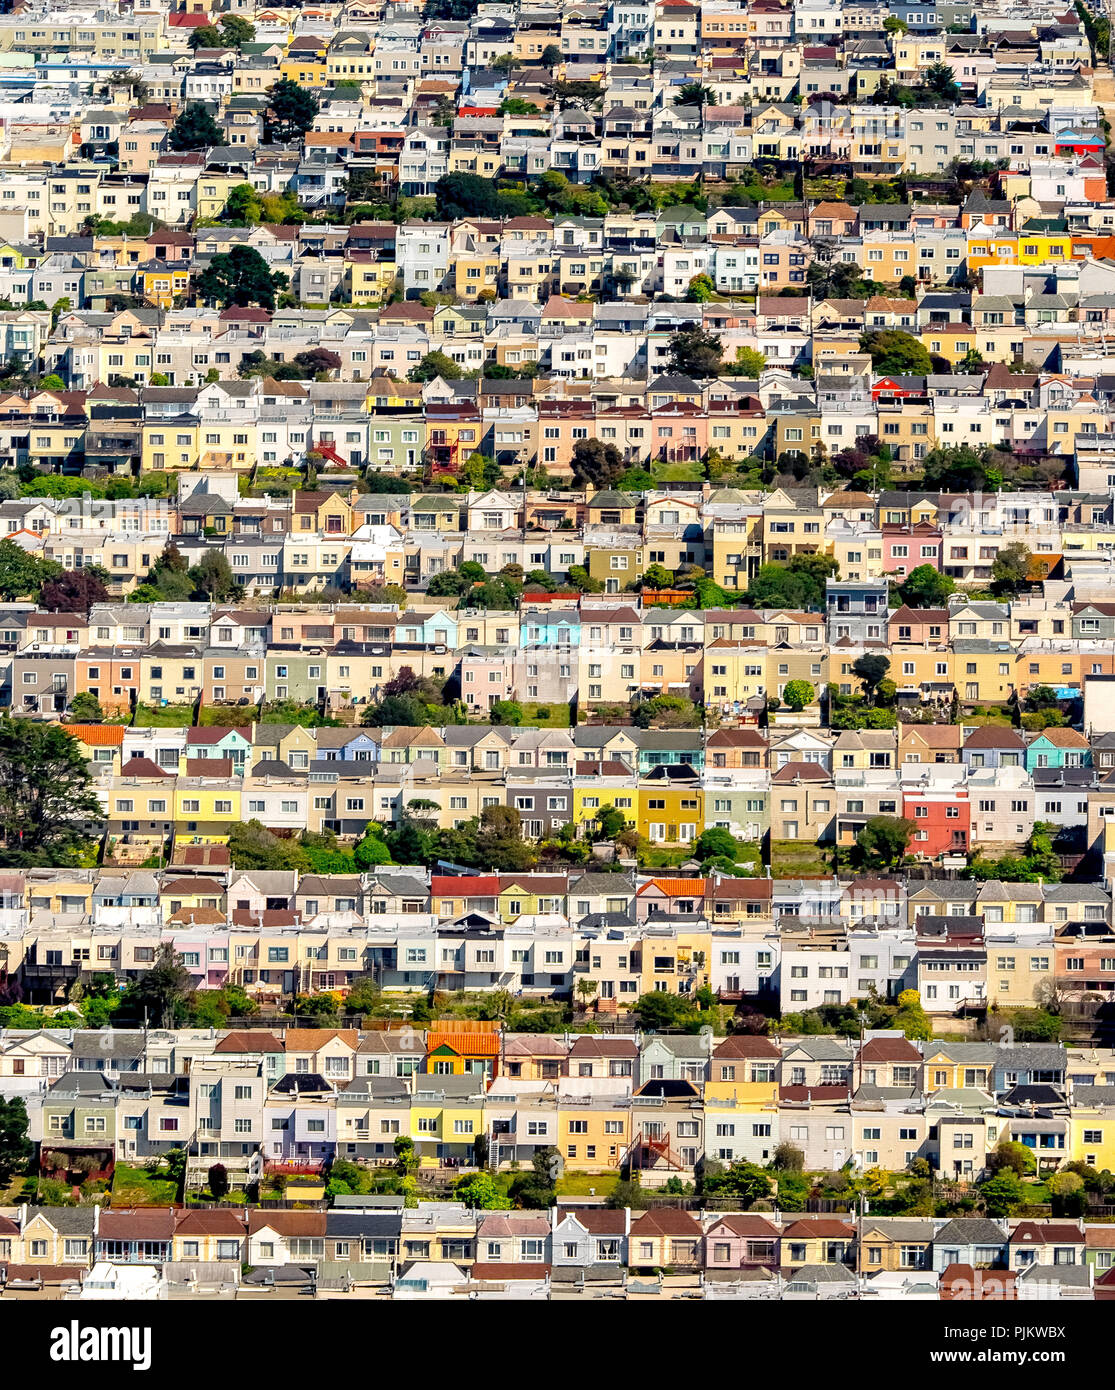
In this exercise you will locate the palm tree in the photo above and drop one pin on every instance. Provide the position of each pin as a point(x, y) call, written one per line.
point(695, 94)
point(586, 989)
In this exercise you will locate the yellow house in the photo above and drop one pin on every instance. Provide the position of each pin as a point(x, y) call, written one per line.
point(445, 1127)
point(308, 69)
point(670, 957)
point(952, 1066)
point(527, 898)
point(161, 284)
point(734, 670)
point(670, 815)
point(227, 444)
point(983, 676)
point(743, 1073)
point(213, 189)
point(593, 1133)
point(952, 341)
point(593, 795)
point(369, 280)
point(1091, 1133)
point(170, 444)
point(1040, 247)
point(473, 274)
point(205, 811)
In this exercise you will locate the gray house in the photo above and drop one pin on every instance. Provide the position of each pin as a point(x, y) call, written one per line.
point(856, 613)
point(970, 1240)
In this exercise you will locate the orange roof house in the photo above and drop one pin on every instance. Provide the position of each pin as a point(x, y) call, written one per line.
point(459, 1051)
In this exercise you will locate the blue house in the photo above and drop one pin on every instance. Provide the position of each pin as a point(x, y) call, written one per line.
point(1029, 1064)
point(989, 746)
point(970, 1240)
point(348, 745)
point(235, 744)
point(669, 748)
point(429, 629)
point(551, 628)
point(1058, 748)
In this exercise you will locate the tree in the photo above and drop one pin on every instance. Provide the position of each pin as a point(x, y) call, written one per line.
point(74, 591)
point(926, 587)
point(1001, 1193)
point(291, 112)
point(370, 850)
point(800, 584)
point(700, 290)
point(1010, 568)
point(788, 1158)
point(205, 36)
point(240, 277)
point(236, 32)
point(506, 712)
point(406, 1159)
point(243, 205)
point(499, 840)
point(595, 462)
point(1009, 1154)
point(896, 353)
point(86, 709)
point(213, 578)
point(551, 56)
point(1065, 1184)
point(15, 1147)
point(911, 1016)
point(749, 363)
point(695, 353)
point(715, 843)
point(798, 694)
point(893, 25)
point(158, 993)
point(747, 1181)
point(45, 793)
point(467, 195)
point(434, 364)
point(871, 668)
point(318, 361)
point(660, 1009)
point(695, 94)
point(22, 575)
point(941, 80)
point(883, 841)
point(479, 1191)
point(169, 577)
point(217, 1178)
point(195, 129)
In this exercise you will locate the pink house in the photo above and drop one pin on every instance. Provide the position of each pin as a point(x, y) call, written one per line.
point(487, 675)
point(905, 548)
point(741, 1241)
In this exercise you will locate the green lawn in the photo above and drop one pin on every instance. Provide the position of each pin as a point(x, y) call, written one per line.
point(692, 472)
point(578, 1184)
point(133, 1187)
point(798, 859)
point(665, 857)
point(227, 716)
point(546, 716)
point(1004, 720)
point(166, 717)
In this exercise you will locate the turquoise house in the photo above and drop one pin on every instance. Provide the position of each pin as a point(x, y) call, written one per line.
point(1058, 748)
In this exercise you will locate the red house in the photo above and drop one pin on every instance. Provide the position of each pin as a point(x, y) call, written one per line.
point(897, 388)
point(942, 821)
